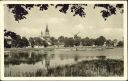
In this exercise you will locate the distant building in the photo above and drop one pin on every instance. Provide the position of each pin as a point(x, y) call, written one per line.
point(46, 36)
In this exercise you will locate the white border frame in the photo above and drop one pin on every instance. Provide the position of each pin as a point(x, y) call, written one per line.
point(62, 2)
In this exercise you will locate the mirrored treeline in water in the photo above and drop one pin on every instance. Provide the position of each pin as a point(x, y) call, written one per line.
point(64, 62)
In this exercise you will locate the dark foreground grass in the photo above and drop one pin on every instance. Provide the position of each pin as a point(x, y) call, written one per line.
point(92, 68)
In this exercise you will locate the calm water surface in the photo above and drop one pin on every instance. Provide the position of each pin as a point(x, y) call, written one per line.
point(33, 60)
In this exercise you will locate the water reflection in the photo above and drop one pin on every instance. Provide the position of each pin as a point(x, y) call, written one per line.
point(29, 61)
point(31, 57)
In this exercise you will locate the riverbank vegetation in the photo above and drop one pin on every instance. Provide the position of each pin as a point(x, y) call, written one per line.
point(101, 67)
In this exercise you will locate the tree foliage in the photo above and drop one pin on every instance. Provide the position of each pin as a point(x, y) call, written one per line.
point(16, 40)
point(100, 41)
point(109, 9)
point(120, 44)
point(69, 42)
point(21, 10)
point(21, 42)
point(32, 42)
point(38, 41)
point(61, 39)
point(88, 42)
point(54, 41)
point(25, 42)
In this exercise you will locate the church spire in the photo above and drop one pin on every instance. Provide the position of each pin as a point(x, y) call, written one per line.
point(47, 30)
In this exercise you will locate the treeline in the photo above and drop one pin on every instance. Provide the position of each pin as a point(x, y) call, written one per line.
point(20, 42)
point(100, 41)
point(11, 39)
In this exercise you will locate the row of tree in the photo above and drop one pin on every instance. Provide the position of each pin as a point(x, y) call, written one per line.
point(77, 41)
point(20, 42)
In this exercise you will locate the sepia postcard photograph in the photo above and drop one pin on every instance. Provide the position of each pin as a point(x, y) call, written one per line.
point(61, 40)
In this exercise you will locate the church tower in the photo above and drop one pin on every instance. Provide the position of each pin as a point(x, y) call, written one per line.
point(47, 32)
point(47, 35)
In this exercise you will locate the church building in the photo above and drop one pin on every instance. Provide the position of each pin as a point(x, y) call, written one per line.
point(46, 35)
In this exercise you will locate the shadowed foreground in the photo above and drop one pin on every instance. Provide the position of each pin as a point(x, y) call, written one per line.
point(107, 67)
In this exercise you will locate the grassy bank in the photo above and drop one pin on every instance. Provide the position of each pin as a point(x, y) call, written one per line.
point(90, 68)
point(108, 67)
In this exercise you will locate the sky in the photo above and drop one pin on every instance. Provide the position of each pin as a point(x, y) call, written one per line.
point(60, 24)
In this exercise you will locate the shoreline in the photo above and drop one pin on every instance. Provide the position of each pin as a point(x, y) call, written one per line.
point(53, 48)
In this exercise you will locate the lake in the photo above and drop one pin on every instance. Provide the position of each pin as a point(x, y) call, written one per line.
point(18, 62)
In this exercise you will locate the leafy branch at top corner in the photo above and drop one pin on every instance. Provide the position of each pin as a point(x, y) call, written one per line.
point(21, 10)
point(76, 9)
point(109, 9)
